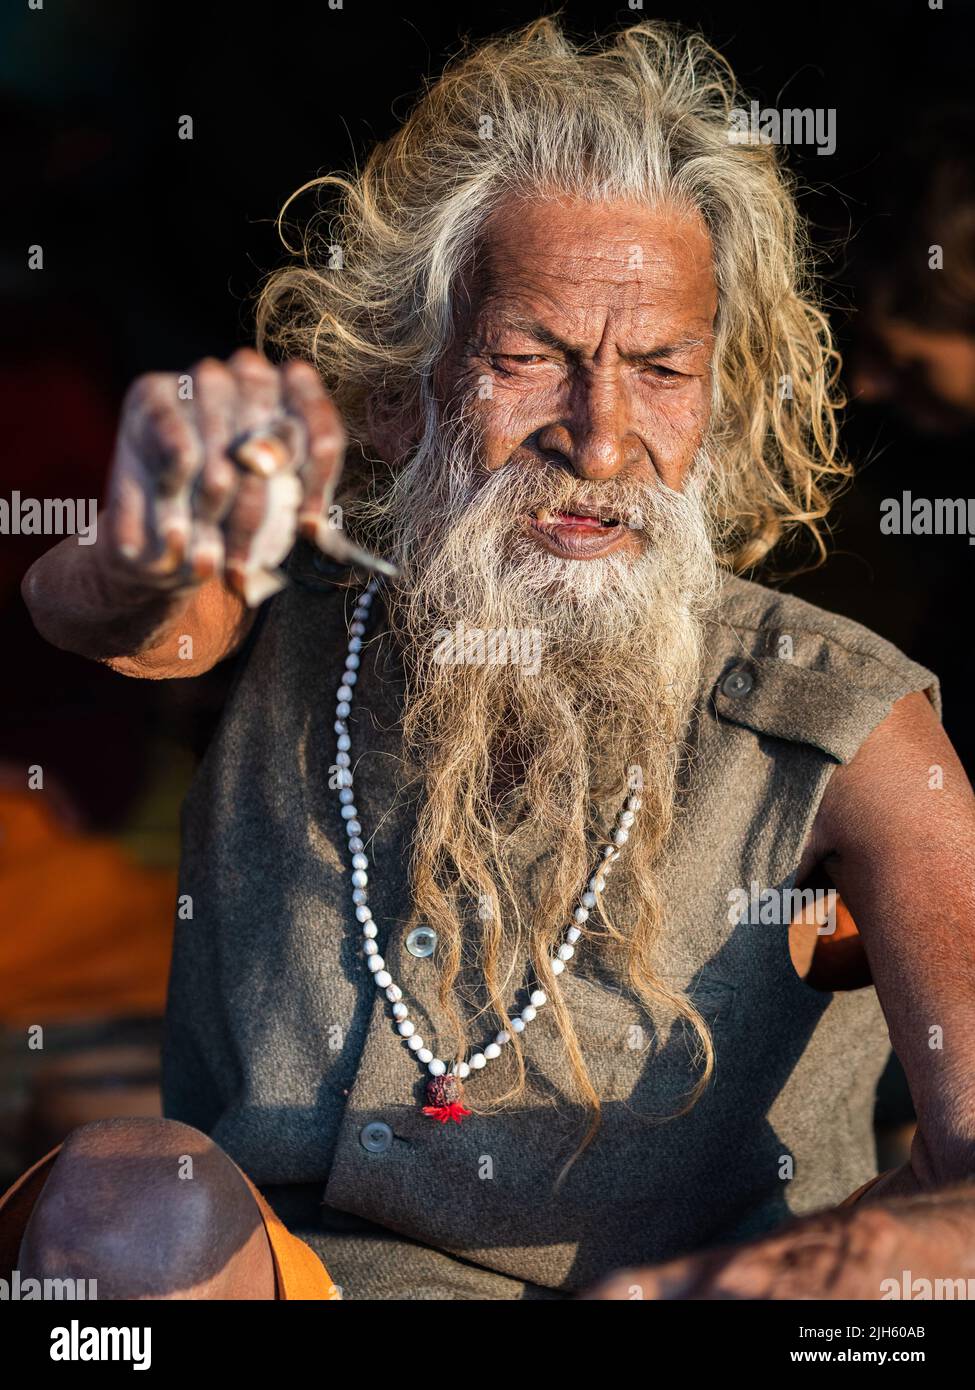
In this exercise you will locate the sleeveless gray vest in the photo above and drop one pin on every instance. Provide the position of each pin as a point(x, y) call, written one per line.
point(280, 1047)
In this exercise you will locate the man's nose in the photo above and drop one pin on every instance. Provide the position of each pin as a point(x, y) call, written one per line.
point(596, 439)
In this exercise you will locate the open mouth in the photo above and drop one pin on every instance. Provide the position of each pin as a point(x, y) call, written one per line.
point(545, 516)
point(576, 535)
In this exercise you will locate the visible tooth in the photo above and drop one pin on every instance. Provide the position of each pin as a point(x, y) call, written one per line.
point(543, 515)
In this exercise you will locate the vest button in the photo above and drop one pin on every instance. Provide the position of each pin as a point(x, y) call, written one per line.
point(737, 683)
point(422, 941)
point(376, 1137)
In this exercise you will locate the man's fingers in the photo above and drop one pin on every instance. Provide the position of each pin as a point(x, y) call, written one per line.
point(168, 440)
point(205, 555)
point(258, 388)
point(242, 525)
point(231, 399)
point(214, 406)
point(325, 444)
point(259, 414)
point(139, 534)
point(260, 532)
point(215, 397)
point(127, 516)
point(164, 454)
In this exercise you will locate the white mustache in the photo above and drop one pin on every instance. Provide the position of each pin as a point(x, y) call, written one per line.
point(506, 498)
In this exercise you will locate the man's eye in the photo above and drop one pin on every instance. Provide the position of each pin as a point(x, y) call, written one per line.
point(523, 359)
point(662, 373)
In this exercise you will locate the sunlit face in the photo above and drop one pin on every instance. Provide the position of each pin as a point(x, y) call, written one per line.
point(587, 346)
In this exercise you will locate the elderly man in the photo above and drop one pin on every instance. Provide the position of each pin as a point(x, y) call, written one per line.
point(490, 980)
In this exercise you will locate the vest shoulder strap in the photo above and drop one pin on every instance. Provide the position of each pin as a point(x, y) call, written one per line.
point(792, 671)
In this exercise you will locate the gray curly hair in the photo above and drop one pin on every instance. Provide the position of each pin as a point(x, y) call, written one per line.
point(644, 115)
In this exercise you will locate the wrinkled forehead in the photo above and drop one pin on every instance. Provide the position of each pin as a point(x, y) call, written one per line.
point(578, 260)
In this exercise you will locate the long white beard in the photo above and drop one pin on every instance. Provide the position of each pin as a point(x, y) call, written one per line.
point(619, 656)
point(615, 643)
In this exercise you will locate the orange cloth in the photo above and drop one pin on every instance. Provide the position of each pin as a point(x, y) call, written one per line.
point(298, 1272)
point(87, 932)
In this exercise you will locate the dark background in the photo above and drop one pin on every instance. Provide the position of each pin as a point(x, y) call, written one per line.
point(154, 246)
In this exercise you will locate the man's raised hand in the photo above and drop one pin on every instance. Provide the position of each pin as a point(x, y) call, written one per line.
point(190, 498)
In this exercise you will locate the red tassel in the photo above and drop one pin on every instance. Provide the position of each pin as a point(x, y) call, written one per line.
point(454, 1111)
point(444, 1094)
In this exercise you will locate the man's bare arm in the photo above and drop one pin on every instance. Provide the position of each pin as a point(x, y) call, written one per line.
point(898, 828)
point(138, 632)
point(896, 833)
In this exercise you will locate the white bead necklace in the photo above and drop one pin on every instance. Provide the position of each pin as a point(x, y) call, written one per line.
point(445, 1089)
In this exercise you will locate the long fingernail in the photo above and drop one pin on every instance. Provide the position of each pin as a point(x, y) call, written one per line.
point(263, 454)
